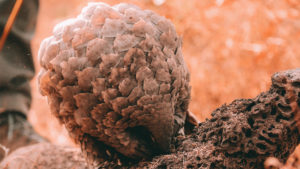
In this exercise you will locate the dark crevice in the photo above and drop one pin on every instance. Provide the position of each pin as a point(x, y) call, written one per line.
point(250, 121)
point(296, 84)
point(284, 108)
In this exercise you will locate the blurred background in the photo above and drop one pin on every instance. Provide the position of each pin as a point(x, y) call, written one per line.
point(232, 47)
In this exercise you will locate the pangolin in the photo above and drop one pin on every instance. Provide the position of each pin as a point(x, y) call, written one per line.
point(116, 78)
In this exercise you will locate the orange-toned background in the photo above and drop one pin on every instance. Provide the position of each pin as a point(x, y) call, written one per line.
point(231, 47)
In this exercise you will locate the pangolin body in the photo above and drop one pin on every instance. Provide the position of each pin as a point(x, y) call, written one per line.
point(116, 78)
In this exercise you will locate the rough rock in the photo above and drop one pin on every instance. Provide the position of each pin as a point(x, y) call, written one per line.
point(45, 156)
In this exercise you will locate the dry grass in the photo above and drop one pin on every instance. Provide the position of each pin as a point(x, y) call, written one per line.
point(5, 150)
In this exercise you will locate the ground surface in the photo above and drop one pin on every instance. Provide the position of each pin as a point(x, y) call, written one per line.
point(241, 134)
point(231, 47)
